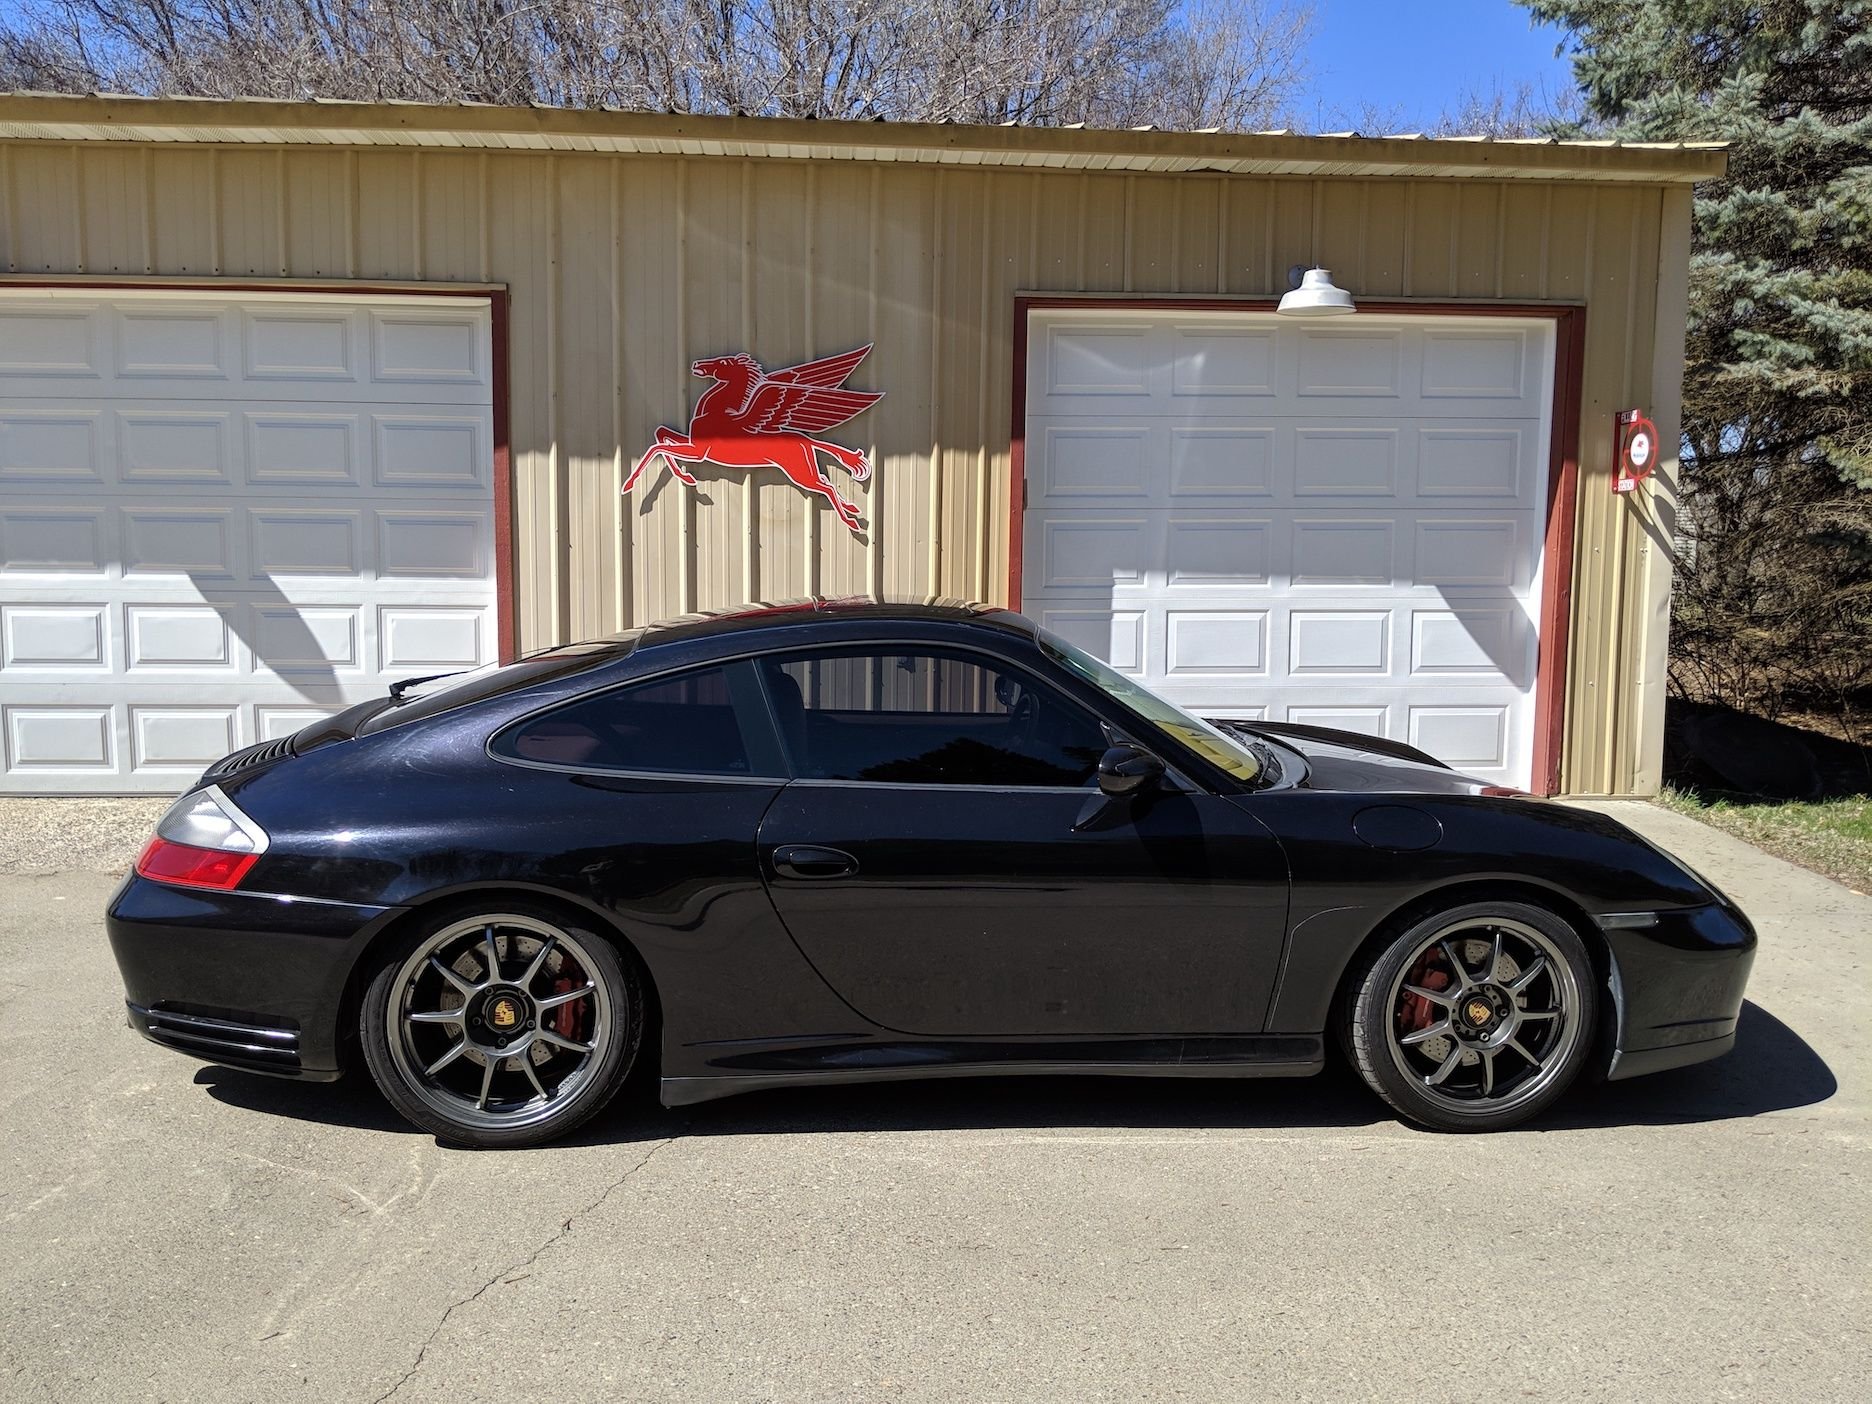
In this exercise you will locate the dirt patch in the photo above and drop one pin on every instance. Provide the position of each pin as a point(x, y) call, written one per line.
point(91, 835)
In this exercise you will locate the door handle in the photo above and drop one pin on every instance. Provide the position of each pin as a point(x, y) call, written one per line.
point(807, 860)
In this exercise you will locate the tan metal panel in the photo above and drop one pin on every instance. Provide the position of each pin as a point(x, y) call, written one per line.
point(387, 229)
point(185, 213)
point(1343, 228)
point(1385, 252)
point(115, 211)
point(449, 246)
point(318, 215)
point(252, 194)
point(1524, 253)
point(1434, 217)
point(48, 223)
point(1248, 235)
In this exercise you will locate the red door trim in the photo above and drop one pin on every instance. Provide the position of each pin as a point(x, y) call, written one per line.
point(1562, 473)
point(497, 298)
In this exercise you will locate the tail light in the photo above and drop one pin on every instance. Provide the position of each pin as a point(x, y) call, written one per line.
point(1503, 792)
point(204, 840)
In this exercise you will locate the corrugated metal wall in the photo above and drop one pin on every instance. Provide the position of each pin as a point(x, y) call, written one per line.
point(623, 269)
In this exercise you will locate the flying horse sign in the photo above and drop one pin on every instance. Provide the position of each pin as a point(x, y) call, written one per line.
point(751, 418)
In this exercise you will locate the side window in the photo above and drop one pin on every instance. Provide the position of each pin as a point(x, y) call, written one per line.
point(687, 724)
point(926, 717)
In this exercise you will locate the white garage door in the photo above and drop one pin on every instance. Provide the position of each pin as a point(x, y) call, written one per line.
point(1334, 524)
point(224, 516)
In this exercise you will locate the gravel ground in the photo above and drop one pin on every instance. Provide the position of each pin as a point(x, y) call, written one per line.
point(89, 835)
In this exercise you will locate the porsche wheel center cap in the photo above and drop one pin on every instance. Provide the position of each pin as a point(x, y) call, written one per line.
point(1478, 1013)
point(504, 1012)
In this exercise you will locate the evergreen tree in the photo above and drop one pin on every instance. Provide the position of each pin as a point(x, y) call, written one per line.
point(1774, 588)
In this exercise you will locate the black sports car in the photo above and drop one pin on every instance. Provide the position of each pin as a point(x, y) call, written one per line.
point(835, 841)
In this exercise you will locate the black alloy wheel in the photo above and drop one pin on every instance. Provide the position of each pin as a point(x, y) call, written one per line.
point(502, 1028)
point(1475, 1018)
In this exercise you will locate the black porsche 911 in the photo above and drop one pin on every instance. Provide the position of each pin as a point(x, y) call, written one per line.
point(839, 841)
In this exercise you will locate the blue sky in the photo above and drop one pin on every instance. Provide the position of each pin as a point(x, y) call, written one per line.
point(1416, 56)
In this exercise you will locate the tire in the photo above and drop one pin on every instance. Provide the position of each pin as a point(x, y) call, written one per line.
point(512, 1049)
point(1486, 1048)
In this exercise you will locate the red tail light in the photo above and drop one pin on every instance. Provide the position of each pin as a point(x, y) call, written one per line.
point(178, 863)
point(1503, 792)
point(203, 841)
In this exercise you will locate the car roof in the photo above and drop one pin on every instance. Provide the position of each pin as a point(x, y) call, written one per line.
point(821, 609)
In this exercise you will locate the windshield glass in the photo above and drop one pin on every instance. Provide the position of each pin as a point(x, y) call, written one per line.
point(1205, 740)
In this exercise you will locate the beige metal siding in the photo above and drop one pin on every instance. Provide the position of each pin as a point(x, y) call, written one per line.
point(624, 268)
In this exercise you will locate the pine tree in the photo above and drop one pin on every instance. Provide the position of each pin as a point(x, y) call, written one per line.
point(1773, 603)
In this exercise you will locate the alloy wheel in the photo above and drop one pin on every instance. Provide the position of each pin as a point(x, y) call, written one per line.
point(1484, 1015)
point(496, 1022)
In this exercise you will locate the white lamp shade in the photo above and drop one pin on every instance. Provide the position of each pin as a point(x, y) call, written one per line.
point(1316, 297)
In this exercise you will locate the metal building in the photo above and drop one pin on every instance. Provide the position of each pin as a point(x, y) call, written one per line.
point(299, 398)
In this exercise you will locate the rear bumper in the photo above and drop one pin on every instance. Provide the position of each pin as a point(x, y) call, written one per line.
point(243, 979)
point(256, 1047)
point(1678, 987)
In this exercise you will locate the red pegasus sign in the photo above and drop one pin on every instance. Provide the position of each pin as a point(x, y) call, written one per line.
point(751, 418)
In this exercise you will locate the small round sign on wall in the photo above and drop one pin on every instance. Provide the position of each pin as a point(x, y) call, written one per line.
point(1637, 450)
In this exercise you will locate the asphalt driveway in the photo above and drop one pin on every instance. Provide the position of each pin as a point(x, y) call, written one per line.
point(170, 1231)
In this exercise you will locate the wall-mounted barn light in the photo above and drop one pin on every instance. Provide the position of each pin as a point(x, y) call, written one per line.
point(1313, 294)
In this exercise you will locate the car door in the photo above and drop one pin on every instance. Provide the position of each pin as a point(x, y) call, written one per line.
point(925, 859)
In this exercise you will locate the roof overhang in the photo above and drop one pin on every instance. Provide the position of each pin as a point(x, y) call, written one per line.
point(265, 122)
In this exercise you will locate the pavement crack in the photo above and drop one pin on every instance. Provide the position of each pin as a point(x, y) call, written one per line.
point(518, 1267)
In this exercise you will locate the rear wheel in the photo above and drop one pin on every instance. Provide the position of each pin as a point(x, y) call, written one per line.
point(502, 1028)
point(1475, 1018)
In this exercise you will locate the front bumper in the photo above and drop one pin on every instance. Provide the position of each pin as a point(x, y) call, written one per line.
point(245, 979)
point(1677, 985)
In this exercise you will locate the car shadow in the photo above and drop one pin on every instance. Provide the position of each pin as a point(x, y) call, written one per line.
point(1771, 1069)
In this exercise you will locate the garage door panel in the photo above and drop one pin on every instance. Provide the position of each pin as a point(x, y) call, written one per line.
point(1358, 547)
point(224, 518)
point(59, 447)
point(49, 339)
point(173, 341)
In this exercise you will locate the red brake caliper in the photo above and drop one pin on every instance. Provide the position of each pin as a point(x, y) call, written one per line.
point(565, 1019)
point(1415, 1012)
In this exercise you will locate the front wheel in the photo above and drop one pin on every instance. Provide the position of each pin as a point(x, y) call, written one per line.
point(1476, 1018)
point(502, 1028)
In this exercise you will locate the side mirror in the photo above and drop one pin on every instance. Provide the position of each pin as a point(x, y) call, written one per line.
point(1125, 772)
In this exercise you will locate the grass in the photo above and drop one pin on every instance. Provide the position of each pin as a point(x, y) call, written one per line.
point(1832, 836)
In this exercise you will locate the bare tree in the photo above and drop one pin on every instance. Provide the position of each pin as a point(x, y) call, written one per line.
point(1174, 63)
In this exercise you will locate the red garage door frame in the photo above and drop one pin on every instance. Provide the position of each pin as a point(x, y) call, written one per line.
point(505, 632)
point(1569, 322)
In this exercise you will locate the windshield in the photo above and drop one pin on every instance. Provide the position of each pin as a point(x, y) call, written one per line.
point(1205, 740)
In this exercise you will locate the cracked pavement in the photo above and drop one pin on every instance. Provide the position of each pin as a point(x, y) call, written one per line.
point(174, 1231)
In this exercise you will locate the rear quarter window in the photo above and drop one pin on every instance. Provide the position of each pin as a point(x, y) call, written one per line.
point(688, 724)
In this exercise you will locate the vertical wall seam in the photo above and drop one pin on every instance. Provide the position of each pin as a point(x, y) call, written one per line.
point(750, 493)
point(419, 207)
point(933, 541)
point(8, 226)
point(149, 209)
point(1410, 238)
point(809, 538)
point(214, 211)
point(874, 543)
point(1501, 237)
point(78, 202)
point(558, 518)
point(1267, 237)
point(984, 519)
point(353, 214)
point(622, 594)
point(1546, 236)
point(1222, 233)
point(484, 201)
point(1126, 279)
point(1085, 189)
point(283, 241)
point(686, 511)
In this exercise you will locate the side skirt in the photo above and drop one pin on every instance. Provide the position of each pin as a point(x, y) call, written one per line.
point(1269, 1055)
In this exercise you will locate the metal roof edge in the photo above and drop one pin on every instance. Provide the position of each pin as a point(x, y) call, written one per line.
point(270, 121)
